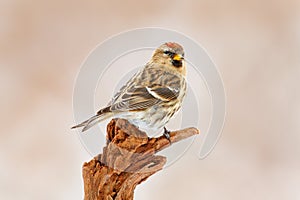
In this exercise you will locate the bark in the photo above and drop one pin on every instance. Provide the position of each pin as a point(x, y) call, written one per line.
point(127, 160)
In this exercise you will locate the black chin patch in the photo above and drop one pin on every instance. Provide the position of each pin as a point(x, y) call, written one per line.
point(177, 63)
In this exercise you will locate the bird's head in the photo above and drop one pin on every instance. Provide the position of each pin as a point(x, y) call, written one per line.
point(171, 55)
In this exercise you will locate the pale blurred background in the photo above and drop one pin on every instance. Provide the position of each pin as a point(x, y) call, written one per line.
point(255, 44)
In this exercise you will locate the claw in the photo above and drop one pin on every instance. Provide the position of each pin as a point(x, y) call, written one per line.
point(167, 134)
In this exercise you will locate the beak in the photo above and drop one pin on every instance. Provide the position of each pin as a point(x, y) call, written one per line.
point(177, 57)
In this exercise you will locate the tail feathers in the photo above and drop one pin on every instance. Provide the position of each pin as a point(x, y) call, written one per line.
point(92, 121)
point(80, 125)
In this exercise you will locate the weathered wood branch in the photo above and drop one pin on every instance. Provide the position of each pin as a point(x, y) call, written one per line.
point(127, 160)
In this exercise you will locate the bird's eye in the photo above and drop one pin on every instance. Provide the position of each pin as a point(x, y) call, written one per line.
point(169, 53)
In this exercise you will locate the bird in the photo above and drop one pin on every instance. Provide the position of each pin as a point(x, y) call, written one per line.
point(152, 96)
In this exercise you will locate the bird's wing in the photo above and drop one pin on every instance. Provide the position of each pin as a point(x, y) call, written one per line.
point(163, 93)
point(124, 87)
point(140, 98)
point(139, 93)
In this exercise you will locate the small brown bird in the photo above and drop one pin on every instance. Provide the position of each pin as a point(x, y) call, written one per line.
point(152, 96)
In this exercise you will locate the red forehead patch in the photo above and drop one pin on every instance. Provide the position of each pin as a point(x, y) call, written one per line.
point(171, 44)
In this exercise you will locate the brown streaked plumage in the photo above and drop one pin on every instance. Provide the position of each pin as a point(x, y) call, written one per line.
point(152, 96)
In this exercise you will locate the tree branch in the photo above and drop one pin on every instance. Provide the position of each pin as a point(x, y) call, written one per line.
point(127, 160)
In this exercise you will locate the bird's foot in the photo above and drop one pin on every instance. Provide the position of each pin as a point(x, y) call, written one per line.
point(167, 134)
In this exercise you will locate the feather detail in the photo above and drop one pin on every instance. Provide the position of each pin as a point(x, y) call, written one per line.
point(92, 121)
point(163, 93)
